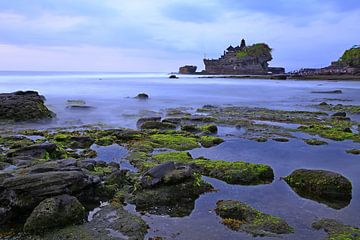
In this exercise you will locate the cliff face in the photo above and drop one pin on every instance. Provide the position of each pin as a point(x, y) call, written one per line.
point(241, 60)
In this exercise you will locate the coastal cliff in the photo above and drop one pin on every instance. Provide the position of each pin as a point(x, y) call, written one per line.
point(348, 64)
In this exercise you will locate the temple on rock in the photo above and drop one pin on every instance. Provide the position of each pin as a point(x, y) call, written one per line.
point(243, 59)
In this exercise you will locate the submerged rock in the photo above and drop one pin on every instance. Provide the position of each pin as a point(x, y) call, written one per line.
point(174, 198)
point(142, 120)
point(23, 106)
point(323, 186)
point(142, 96)
point(336, 230)
point(55, 212)
point(337, 91)
point(239, 216)
point(157, 125)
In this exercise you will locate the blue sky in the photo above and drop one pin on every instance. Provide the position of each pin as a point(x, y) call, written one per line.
point(161, 35)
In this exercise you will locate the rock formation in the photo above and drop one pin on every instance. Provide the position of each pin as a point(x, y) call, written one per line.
point(348, 64)
point(23, 106)
point(242, 60)
point(187, 69)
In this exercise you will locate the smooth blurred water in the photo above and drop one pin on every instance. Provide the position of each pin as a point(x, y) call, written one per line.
point(111, 94)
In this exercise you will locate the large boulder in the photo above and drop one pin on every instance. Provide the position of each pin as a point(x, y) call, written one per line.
point(23, 106)
point(239, 216)
point(55, 212)
point(323, 186)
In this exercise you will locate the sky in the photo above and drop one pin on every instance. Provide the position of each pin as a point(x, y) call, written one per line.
point(161, 35)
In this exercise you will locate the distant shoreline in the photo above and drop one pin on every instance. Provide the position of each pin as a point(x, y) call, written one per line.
point(290, 77)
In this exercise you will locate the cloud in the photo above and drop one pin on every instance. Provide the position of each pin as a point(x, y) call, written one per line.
point(303, 33)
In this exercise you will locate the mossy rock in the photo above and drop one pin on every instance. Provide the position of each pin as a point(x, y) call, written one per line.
point(209, 128)
point(175, 200)
point(322, 186)
point(353, 151)
point(54, 213)
point(315, 142)
point(242, 217)
point(210, 141)
point(14, 142)
point(280, 139)
point(230, 172)
point(333, 133)
point(175, 141)
point(336, 230)
point(157, 125)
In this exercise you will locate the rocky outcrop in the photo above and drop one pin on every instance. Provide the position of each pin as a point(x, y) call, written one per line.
point(23, 106)
point(55, 212)
point(187, 69)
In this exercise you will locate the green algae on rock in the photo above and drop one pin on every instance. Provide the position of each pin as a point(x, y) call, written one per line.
point(210, 141)
point(242, 217)
point(230, 172)
point(336, 230)
point(175, 141)
point(315, 142)
point(157, 125)
point(55, 212)
point(322, 186)
point(353, 151)
point(23, 106)
point(177, 200)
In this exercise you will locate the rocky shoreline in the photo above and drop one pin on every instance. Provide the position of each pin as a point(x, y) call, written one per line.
point(51, 183)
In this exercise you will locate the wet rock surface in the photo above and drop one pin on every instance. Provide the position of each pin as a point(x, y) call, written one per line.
point(55, 212)
point(239, 216)
point(337, 230)
point(23, 106)
point(323, 186)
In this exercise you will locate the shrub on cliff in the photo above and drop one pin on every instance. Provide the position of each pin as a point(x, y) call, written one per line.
point(351, 57)
point(256, 50)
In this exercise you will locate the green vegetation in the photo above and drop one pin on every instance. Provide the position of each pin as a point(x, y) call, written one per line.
point(334, 133)
point(353, 151)
point(210, 141)
point(315, 142)
point(336, 230)
point(351, 57)
point(230, 172)
point(255, 50)
point(242, 217)
point(175, 141)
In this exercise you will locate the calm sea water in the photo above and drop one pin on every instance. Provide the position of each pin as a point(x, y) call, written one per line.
point(111, 96)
